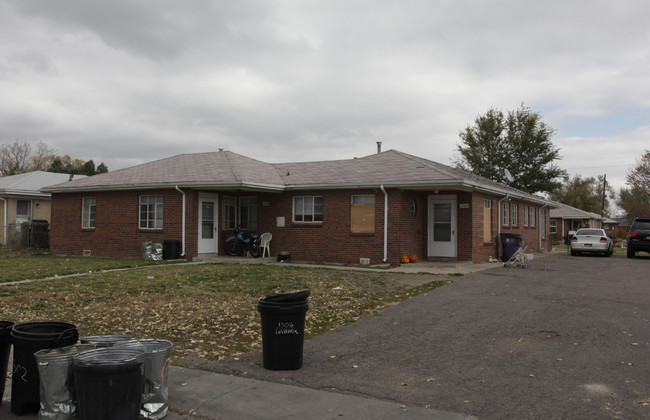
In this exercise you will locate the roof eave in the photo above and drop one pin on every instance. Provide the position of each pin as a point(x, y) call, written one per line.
point(166, 185)
point(25, 193)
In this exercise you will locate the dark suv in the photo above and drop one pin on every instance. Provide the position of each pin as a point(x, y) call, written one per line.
point(638, 238)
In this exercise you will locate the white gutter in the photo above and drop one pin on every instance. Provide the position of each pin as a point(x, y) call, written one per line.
point(5, 221)
point(183, 243)
point(381, 187)
point(507, 197)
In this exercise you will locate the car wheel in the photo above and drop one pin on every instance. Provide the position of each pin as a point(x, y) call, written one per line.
point(573, 253)
point(630, 253)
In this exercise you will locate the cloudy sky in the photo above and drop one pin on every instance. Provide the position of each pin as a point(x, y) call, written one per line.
point(129, 81)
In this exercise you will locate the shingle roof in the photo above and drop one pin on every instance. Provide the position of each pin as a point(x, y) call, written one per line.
point(213, 168)
point(564, 211)
point(31, 183)
point(225, 169)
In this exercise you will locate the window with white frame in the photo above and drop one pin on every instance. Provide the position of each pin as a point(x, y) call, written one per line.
point(542, 221)
point(151, 212)
point(308, 209)
point(229, 212)
point(532, 216)
point(525, 215)
point(248, 213)
point(363, 213)
point(553, 226)
point(515, 214)
point(506, 213)
point(88, 210)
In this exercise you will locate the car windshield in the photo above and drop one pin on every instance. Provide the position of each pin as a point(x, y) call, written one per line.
point(589, 232)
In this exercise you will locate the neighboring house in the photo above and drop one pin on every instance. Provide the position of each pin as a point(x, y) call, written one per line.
point(368, 210)
point(565, 219)
point(622, 227)
point(21, 200)
point(612, 229)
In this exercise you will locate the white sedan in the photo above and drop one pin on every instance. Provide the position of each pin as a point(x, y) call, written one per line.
point(591, 240)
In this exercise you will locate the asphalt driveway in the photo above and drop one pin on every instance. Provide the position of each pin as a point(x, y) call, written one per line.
point(567, 337)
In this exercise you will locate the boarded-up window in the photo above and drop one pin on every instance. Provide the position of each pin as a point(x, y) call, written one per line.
point(487, 220)
point(363, 213)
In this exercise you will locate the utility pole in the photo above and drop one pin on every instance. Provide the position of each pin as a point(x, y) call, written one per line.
point(602, 209)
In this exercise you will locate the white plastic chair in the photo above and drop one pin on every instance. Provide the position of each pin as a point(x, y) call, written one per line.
point(265, 243)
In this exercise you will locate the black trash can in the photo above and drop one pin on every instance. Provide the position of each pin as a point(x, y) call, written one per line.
point(27, 339)
point(510, 243)
point(283, 329)
point(171, 250)
point(108, 383)
point(5, 347)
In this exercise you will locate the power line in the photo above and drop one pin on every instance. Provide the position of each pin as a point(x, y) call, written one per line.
point(601, 166)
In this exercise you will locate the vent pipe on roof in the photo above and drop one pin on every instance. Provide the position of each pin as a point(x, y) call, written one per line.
point(378, 147)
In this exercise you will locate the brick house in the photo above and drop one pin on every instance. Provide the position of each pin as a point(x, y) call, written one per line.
point(566, 219)
point(372, 209)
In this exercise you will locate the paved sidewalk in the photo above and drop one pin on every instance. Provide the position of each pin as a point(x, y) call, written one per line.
point(196, 394)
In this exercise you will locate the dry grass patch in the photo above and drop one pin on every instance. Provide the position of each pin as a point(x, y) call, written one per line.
point(208, 311)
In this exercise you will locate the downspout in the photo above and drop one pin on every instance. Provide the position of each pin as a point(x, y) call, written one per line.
point(499, 223)
point(5, 227)
point(540, 233)
point(183, 224)
point(381, 187)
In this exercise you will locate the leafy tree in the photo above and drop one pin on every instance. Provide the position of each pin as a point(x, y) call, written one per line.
point(520, 142)
point(88, 168)
point(17, 158)
point(67, 165)
point(584, 193)
point(635, 201)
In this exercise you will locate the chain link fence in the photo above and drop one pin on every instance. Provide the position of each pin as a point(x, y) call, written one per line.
point(34, 234)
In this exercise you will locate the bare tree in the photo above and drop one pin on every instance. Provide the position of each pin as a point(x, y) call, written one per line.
point(14, 158)
point(43, 157)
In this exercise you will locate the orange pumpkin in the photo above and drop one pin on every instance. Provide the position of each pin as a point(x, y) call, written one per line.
point(413, 258)
point(406, 259)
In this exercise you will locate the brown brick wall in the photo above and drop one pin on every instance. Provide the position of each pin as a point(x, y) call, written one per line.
point(117, 233)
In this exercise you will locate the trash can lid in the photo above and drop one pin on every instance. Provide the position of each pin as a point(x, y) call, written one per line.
point(105, 340)
point(148, 345)
point(61, 353)
point(288, 297)
point(109, 356)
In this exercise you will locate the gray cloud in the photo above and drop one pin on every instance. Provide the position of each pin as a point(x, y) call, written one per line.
point(128, 81)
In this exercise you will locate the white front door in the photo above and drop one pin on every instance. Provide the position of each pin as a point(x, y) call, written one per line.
point(442, 226)
point(208, 223)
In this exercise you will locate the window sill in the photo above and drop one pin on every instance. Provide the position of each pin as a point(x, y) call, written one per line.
point(307, 224)
point(362, 234)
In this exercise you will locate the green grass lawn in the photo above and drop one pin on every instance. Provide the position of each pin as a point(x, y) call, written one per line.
point(209, 311)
